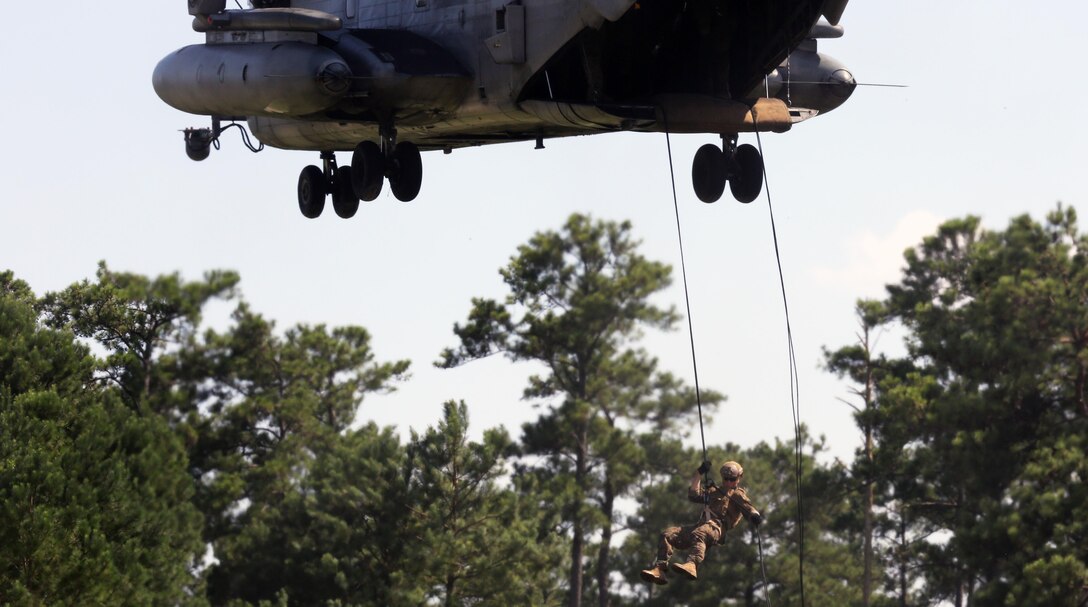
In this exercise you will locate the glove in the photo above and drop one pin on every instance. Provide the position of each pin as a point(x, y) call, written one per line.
point(756, 519)
point(704, 467)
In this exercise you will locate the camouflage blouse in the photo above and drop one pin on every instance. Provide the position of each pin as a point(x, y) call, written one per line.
point(724, 507)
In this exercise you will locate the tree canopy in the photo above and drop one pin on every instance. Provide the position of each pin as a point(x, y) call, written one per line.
point(145, 459)
point(95, 501)
point(981, 427)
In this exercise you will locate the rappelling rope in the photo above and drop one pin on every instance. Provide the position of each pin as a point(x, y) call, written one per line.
point(763, 568)
point(687, 296)
point(795, 391)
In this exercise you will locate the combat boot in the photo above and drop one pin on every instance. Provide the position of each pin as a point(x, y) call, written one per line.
point(688, 569)
point(655, 574)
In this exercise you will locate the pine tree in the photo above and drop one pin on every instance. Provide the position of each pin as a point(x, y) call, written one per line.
point(578, 300)
point(138, 321)
point(94, 500)
point(982, 426)
point(280, 410)
point(479, 543)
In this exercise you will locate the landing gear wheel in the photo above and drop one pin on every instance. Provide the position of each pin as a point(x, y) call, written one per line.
point(407, 172)
point(367, 170)
point(344, 200)
point(311, 192)
point(747, 181)
point(708, 173)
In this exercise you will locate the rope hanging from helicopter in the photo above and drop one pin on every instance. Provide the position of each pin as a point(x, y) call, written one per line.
point(795, 389)
point(794, 386)
point(687, 296)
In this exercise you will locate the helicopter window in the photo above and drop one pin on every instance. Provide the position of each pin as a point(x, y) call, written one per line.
point(500, 20)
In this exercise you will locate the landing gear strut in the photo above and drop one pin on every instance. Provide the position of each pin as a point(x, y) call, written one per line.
point(741, 166)
point(371, 165)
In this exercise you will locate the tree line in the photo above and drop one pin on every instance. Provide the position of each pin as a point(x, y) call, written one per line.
point(146, 459)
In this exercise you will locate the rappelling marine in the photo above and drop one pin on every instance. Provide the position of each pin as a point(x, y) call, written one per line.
point(723, 509)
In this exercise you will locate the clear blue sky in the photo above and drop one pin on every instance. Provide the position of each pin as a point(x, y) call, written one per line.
point(94, 168)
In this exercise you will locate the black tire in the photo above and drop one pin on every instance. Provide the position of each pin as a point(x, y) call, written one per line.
point(311, 192)
point(406, 175)
point(344, 200)
point(708, 173)
point(747, 182)
point(367, 170)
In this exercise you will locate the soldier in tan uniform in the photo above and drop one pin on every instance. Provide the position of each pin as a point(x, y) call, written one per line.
point(723, 508)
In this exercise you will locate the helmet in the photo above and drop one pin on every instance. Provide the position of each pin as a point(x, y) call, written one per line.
point(731, 470)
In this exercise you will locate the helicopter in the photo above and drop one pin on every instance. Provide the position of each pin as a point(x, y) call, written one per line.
point(388, 79)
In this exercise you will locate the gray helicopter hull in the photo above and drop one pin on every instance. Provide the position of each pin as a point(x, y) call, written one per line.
point(385, 79)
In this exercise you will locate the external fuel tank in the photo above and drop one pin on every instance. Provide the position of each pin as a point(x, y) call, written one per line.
point(253, 73)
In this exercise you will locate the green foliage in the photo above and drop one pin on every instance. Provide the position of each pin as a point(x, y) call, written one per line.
point(265, 421)
point(271, 457)
point(337, 535)
point(94, 501)
point(311, 378)
point(33, 358)
point(981, 428)
point(974, 455)
point(137, 320)
point(582, 292)
point(373, 524)
point(15, 290)
point(300, 508)
point(482, 543)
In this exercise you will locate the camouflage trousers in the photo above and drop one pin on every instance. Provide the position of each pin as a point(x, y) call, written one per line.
point(693, 538)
